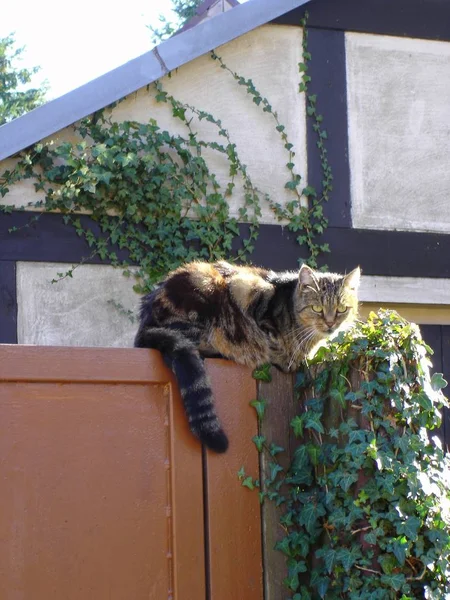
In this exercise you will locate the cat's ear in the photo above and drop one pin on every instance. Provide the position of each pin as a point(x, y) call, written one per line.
point(306, 276)
point(352, 279)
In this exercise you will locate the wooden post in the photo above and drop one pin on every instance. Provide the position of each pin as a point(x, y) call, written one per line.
point(280, 409)
point(282, 406)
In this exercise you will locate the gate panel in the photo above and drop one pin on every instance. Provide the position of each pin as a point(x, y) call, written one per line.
point(102, 492)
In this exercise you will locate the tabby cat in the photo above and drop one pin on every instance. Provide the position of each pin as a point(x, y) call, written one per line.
point(247, 314)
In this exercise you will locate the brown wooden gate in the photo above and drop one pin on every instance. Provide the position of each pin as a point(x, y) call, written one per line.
point(105, 495)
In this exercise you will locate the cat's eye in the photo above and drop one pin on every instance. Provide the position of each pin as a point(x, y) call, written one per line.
point(342, 308)
point(316, 308)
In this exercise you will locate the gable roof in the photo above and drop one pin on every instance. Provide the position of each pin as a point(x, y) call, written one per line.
point(139, 72)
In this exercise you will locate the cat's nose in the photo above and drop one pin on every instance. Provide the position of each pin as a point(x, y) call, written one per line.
point(329, 324)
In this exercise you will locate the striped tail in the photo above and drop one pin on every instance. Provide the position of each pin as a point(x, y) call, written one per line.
point(183, 358)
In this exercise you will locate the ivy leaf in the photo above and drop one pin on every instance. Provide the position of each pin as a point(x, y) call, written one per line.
point(263, 373)
point(248, 483)
point(314, 453)
point(438, 382)
point(309, 515)
point(274, 449)
point(359, 435)
point(297, 425)
point(284, 546)
point(339, 395)
point(388, 563)
point(395, 581)
point(322, 586)
point(304, 594)
point(300, 379)
point(312, 421)
point(371, 538)
point(259, 440)
point(409, 528)
point(347, 480)
point(329, 557)
point(348, 557)
point(260, 407)
point(423, 399)
point(399, 550)
point(300, 460)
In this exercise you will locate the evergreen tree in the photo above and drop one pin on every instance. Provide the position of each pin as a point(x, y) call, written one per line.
point(16, 97)
point(184, 10)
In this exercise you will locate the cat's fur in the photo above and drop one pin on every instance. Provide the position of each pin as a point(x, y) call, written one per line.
point(247, 314)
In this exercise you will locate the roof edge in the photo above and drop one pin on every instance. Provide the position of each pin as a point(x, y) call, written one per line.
point(139, 72)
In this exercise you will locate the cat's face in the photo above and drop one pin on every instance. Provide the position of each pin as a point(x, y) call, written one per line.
point(326, 301)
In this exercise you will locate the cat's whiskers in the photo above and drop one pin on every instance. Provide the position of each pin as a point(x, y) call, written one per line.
point(302, 329)
point(303, 343)
point(305, 331)
point(302, 335)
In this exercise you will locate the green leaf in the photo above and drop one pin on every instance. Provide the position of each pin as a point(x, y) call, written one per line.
point(310, 514)
point(297, 425)
point(371, 538)
point(260, 407)
point(348, 557)
point(424, 401)
point(263, 373)
point(347, 480)
point(312, 421)
point(399, 550)
point(438, 382)
point(259, 440)
point(339, 395)
point(322, 586)
point(314, 453)
point(283, 546)
point(394, 581)
point(304, 594)
point(409, 528)
point(248, 483)
point(300, 460)
point(329, 557)
point(274, 449)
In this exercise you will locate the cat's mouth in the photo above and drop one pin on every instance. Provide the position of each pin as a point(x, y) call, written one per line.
point(328, 330)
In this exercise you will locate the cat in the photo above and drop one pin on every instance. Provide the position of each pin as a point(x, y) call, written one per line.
point(247, 314)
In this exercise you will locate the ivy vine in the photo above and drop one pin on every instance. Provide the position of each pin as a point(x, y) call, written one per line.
point(152, 196)
point(365, 502)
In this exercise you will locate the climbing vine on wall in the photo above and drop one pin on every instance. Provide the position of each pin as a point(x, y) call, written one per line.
point(152, 195)
point(365, 502)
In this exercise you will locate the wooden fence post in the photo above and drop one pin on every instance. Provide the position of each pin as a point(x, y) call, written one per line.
point(275, 427)
point(281, 407)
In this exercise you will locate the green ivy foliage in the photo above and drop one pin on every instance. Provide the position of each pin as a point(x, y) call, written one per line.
point(151, 192)
point(154, 196)
point(365, 503)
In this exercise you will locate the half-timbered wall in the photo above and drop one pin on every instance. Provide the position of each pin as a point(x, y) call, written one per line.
point(379, 69)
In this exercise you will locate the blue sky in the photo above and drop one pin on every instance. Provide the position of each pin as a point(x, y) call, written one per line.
point(76, 42)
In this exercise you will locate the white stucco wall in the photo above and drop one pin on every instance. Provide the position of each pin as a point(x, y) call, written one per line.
point(74, 311)
point(399, 132)
point(269, 56)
